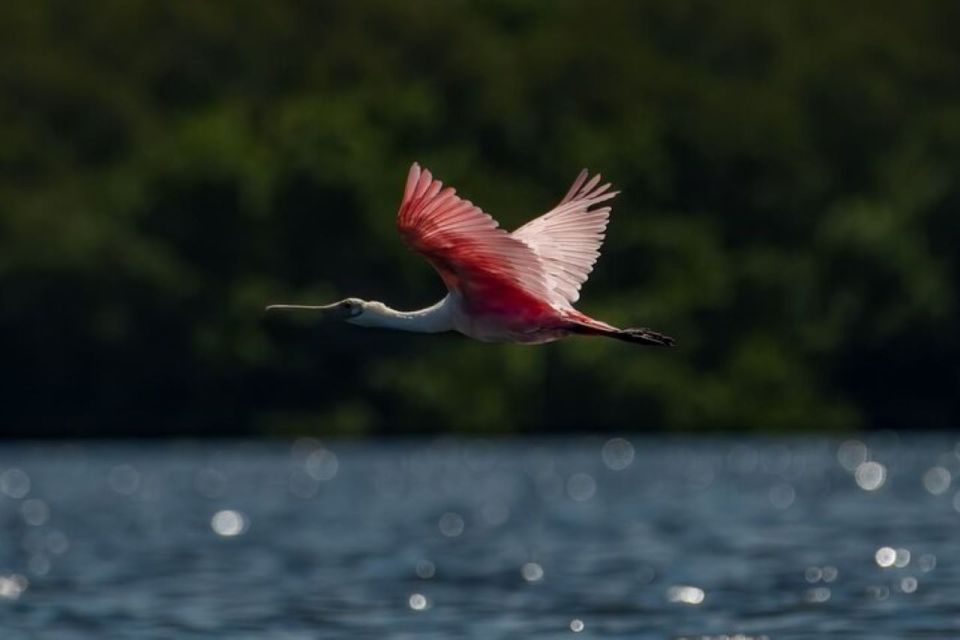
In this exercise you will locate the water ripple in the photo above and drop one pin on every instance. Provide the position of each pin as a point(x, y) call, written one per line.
point(600, 537)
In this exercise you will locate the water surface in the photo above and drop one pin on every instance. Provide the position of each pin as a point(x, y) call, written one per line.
point(598, 537)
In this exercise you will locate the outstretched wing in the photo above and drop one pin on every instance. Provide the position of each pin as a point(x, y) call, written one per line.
point(567, 238)
point(473, 255)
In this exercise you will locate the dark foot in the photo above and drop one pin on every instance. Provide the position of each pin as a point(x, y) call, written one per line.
point(640, 335)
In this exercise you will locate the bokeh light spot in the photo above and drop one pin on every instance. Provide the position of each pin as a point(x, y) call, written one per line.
point(418, 602)
point(228, 523)
point(581, 487)
point(617, 454)
point(851, 454)
point(15, 483)
point(12, 586)
point(686, 594)
point(937, 480)
point(451, 524)
point(782, 495)
point(870, 476)
point(908, 584)
point(532, 572)
point(322, 464)
point(885, 556)
point(927, 562)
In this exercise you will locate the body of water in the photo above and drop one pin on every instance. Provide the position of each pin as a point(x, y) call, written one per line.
point(601, 537)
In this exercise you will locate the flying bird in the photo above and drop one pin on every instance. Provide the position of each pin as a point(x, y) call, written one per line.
point(501, 287)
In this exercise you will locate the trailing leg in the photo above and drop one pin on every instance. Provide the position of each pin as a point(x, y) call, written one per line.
point(640, 335)
point(635, 335)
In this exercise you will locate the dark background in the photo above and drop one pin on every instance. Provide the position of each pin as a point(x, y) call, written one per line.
point(790, 176)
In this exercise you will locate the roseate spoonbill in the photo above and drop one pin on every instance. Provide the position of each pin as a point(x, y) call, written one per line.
point(502, 287)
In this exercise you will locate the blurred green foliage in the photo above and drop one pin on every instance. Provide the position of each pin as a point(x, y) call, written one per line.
point(790, 186)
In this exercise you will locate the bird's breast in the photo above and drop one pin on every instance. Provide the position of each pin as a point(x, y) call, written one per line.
point(526, 324)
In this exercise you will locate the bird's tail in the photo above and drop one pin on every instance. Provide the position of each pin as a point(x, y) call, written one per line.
point(636, 335)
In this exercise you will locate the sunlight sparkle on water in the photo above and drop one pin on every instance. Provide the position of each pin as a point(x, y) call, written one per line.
point(682, 517)
point(12, 586)
point(908, 584)
point(532, 572)
point(581, 487)
point(870, 476)
point(228, 523)
point(322, 464)
point(818, 595)
point(782, 495)
point(617, 454)
point(903, 558)
point(685, 594)
point(851, 454)
point(418, 602)
point(937, 480)
point(15, 483)
point(887, 557)
point(451, 524)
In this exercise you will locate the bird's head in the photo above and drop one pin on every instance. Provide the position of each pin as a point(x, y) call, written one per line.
point(349, 310)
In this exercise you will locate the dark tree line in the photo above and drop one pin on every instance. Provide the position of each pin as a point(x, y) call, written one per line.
point(790, 186)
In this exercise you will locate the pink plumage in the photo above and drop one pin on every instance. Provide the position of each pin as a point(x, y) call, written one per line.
point(520, 286)
point(502, 287)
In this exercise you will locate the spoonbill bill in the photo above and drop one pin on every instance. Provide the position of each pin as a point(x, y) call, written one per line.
point(501, 287)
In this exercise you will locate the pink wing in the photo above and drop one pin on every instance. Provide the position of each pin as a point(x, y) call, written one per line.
point(491, 269)
point(567, 238)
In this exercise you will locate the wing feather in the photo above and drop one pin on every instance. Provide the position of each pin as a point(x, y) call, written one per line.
point(475, 257)
point(567, 238)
